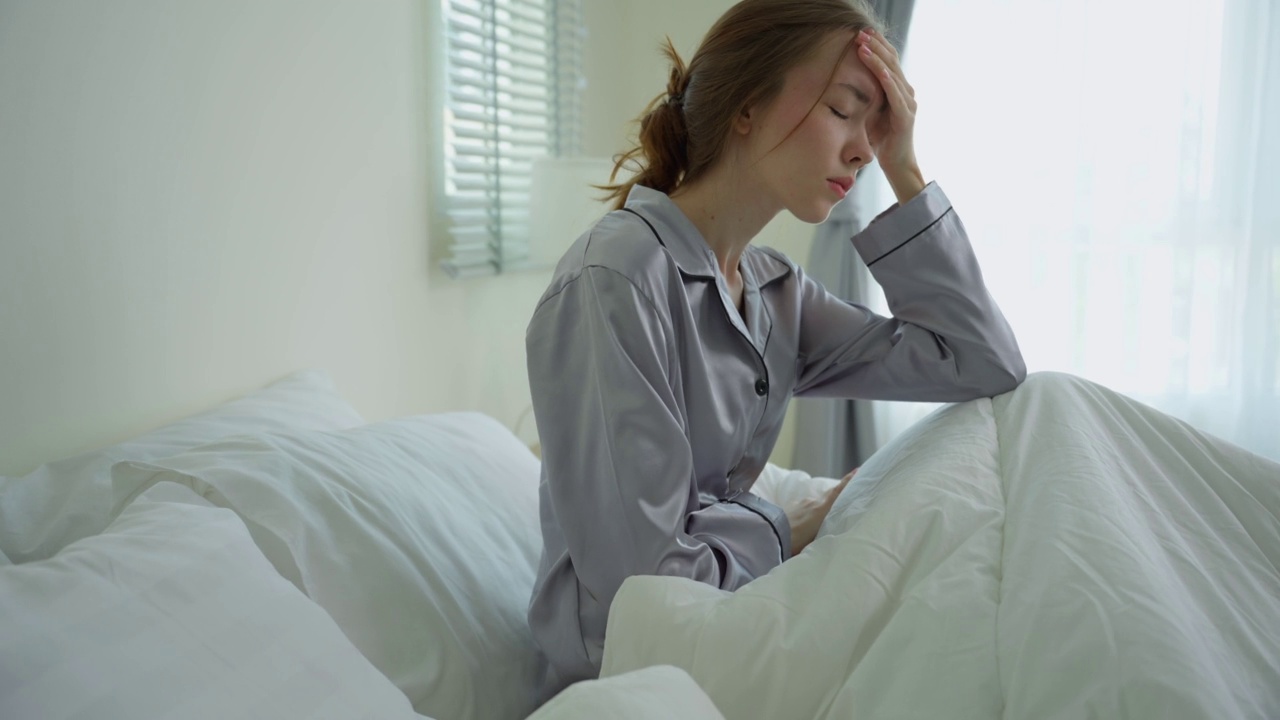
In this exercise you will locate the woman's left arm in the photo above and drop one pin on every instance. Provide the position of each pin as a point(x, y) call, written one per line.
point(947, 339)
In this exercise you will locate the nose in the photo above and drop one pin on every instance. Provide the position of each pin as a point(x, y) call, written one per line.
point(857, 150)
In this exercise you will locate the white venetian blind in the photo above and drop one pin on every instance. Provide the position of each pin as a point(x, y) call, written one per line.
point(514, 95)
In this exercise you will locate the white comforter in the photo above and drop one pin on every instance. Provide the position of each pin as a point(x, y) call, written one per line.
point(1060, 551)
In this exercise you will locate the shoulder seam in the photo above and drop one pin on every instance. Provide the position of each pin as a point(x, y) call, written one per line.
point(577, 273)
point(653, 306)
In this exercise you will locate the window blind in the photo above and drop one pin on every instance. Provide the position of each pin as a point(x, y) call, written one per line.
point(514, 85)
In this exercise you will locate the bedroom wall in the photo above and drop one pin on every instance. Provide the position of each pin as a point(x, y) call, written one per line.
point(198, 198)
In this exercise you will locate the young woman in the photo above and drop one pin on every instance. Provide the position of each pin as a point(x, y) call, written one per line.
point(664, 353)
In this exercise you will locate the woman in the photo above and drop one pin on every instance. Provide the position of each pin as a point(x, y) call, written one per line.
point(664, 353)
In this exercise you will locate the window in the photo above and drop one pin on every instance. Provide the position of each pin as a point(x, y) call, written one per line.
point(514, 86)
point(1121, 203)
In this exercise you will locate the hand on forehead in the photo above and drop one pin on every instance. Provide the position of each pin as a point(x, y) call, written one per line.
point(852, 73)
point(814, 77)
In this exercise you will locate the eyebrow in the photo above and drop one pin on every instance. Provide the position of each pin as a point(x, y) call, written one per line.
point(858, 94)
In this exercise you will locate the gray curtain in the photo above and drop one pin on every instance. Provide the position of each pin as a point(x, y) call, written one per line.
point(834, 436)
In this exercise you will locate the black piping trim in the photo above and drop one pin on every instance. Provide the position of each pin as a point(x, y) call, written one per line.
point(913, 237)
point(782, 549)
point(769, 334)
point(646, 222)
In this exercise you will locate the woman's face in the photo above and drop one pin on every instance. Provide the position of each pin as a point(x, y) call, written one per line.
point(812, 169)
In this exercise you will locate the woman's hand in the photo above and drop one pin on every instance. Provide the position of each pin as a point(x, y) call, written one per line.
point(892, 135)
point(806, 517)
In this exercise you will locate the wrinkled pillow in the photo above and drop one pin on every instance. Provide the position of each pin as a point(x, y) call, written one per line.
point(419, 536)
point(64, 501)
point(174, 612)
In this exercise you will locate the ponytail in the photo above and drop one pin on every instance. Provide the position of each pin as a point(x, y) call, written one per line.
point(663, 150)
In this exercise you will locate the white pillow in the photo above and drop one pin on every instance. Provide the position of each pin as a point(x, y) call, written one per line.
point(419, 536)
point(172, 612)
point(659, 692)
point(63, 501)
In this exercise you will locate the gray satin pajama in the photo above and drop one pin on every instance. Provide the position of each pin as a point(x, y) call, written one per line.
point(657, 403)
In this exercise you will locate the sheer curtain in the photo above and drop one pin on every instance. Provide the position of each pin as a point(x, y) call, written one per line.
point(1115, 164)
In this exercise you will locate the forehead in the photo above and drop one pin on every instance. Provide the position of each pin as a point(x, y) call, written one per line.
point(814, 76)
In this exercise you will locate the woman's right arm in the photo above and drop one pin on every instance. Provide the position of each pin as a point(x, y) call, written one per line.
point(616, 456)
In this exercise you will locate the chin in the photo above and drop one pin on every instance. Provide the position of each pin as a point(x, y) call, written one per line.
point(813, 214)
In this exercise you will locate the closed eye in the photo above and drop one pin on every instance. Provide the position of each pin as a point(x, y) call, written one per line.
point(838, 114)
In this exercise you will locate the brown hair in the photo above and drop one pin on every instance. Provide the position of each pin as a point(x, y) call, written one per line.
point(742, 61)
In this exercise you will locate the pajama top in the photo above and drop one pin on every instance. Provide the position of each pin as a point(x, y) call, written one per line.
point(657, 403)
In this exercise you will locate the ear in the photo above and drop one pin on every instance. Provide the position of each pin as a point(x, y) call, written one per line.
point(743, 120)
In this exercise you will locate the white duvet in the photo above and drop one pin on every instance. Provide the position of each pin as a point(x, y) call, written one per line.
point(1060, 551)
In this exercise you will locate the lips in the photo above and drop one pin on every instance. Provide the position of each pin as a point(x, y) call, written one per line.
point(840, 185)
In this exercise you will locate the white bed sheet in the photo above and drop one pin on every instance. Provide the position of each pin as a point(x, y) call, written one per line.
point(1060, 551)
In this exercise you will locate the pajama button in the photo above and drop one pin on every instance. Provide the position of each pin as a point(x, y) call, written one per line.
point(762, 388)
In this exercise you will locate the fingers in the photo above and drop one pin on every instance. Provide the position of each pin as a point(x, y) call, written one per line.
point(834, 492)
point(899, 99)
point(882, 60)
point(883, 49)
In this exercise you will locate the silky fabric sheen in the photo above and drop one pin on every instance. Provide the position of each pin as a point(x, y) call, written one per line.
point(658, 403)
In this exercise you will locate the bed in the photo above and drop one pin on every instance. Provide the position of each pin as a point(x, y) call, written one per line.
point(278, 557)
point(1058, 551)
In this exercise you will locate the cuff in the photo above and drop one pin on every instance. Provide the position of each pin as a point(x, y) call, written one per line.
point(772, 514)
point(901, 224)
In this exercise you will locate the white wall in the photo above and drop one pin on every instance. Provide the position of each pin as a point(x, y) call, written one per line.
point(198, 198)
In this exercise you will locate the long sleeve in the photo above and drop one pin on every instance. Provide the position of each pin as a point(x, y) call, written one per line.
point(618, 469)
point(946, 341)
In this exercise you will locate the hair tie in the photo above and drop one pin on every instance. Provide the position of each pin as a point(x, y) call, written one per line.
point(676, 99)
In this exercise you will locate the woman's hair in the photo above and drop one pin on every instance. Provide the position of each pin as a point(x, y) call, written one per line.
point(743, 61)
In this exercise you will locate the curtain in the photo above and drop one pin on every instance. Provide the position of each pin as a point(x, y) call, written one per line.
point(834, 436)
point(1115, 163)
